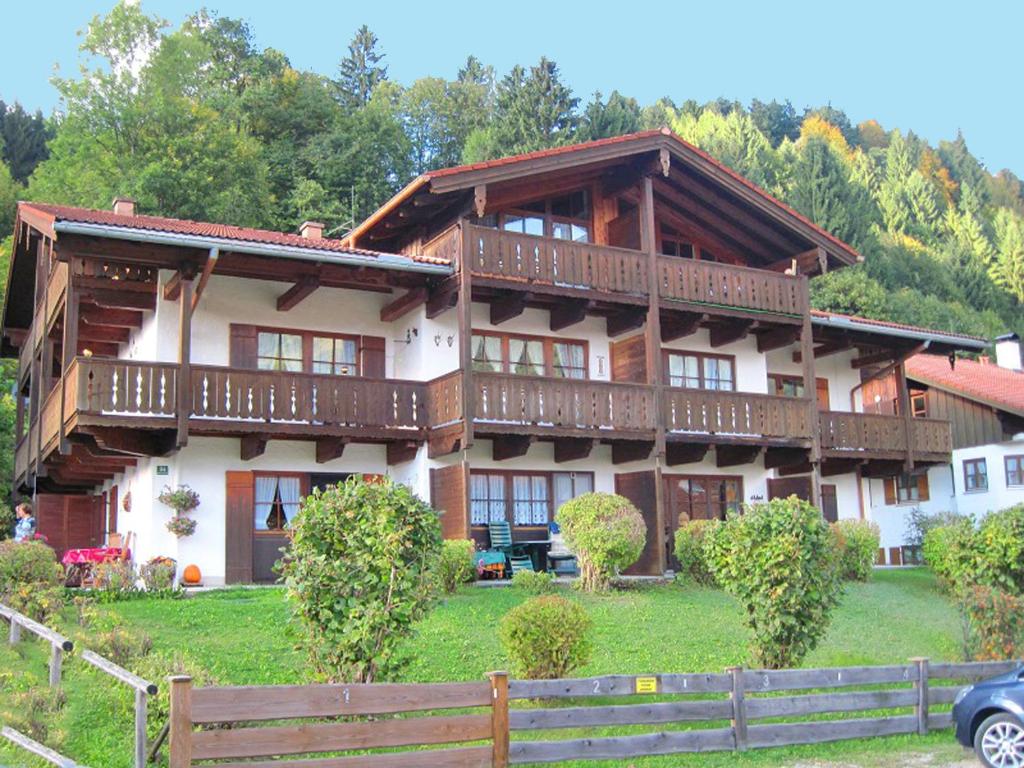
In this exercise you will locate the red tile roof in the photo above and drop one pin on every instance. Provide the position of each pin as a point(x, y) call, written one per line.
point(985, 382)
point(203, 229)
point(899, 326)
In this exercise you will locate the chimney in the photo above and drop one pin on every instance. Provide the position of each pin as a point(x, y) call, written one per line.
point(1008, 354)
point(312, 230)
point(124, 206)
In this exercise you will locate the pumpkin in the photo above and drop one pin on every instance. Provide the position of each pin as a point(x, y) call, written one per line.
point(192, 574)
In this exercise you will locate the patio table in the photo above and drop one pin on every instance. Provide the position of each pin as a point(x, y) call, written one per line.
point(78, 563)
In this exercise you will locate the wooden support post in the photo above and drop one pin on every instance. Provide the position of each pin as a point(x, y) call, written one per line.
point(15, 635)
point(69, 349)
point(181, 722)
point(141, 714)
point(739, 708)
point(810, 388)
point(921, 686)
point(903, 398)
point(56, 660)
point(184, 405)
point(465, 310)
point(499, 718)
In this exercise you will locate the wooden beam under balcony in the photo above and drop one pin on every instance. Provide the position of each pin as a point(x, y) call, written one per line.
point(727, 333)
point(444, 442)
point(330, 448)
point(677, 453)
point(114, 298)
point(252, 446)
point(885, 356)
point(87, 332)
point(403, 305)
point(568, 313)
point(679, 325)
point(775, 457)
point(734, 455)
point(93, 314)
point(573, 448)
point(443, 297)
point(508, 306)
point(625, 451)
point(776, 338)
point(294, 295)
point(832, 466)
point(133, 442)
point(625, 321)
point(401, 451)
point(510, 446)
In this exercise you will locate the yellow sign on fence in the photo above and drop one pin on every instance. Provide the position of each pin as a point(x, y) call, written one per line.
point(647, 685)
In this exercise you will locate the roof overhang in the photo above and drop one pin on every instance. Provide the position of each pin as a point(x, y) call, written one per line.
point(939, 341)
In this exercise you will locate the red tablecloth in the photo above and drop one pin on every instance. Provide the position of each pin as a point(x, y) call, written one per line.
point(94, 555)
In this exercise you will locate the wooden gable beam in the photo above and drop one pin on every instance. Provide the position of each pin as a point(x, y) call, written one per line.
point(303, 288)
point(698, 234)
point(403, 305)
point(806, 261)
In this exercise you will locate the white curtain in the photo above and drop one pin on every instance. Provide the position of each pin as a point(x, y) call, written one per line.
point(478, 499)
point(540, 501)
point(266, 489)
point(569, 358)
point(521, 495)
point(290, 491)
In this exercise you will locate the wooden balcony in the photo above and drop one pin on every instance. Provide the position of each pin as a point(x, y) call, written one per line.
point(736, 417)
point(875, 436)
point(567, 268)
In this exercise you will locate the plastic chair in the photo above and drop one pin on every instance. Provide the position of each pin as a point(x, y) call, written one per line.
point(516, 554)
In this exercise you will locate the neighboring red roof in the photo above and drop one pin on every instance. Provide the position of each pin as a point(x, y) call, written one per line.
point(202, 229)
point(571, 148)
point(900, 326)
point(985, 382)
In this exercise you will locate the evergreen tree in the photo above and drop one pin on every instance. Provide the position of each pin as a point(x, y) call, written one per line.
point(616, 117)
point(23, 138)
point(533, 111)
point(361, 71)
point(775, 120)
point(962, 165)
point(838, 118)
point(1008, 267)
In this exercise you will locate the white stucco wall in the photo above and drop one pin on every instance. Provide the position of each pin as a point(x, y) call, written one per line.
point(999, 495)
point(842, 378)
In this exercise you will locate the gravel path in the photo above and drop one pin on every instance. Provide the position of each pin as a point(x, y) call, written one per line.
point(951, 757)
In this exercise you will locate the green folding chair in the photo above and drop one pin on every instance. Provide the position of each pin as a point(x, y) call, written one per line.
point(517, 555)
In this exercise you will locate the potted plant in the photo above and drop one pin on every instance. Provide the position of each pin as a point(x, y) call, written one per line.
point(182, 500)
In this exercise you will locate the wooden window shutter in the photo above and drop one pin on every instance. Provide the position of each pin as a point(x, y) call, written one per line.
point(640, 488)
point(889, 484)
point(112, 509)
point(243, 349)
point(371, 356)
point(822, 388)
point(238, 514)
point(449, 494)
point(629, 360)
point(922, 487)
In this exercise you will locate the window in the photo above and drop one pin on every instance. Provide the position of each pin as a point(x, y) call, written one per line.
point(529, 355)
point(334, 355)
point(276, 501)
point(570, 217)
point(783, 385)
point(906, 489)
point(703, 497)
point(524, 223)
point(975, 475)
point(524, 499)
point(279, 351)
point(567, 217)
point(694, 370)
point(918, 404)
point(1014, 470)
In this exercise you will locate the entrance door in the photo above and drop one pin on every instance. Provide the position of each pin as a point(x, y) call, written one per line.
point(784, 487)
point(68, 521)
point(697, 497)
point(829, 503)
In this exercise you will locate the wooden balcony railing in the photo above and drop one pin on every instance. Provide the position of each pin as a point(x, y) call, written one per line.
point(707, 282)
point(740, 414)
point(122, 387)
point(444, 400)
point(563, 404)
point(55, 287)
point(50, 422)
point(546, 261)
point(867, 432)
point(931, 436)
point(21, 452)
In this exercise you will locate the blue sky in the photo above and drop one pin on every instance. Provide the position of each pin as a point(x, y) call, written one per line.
point(932, 67)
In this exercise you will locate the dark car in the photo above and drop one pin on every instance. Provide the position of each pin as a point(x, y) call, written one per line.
point(989, 717)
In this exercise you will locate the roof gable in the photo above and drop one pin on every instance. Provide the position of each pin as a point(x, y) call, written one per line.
point(984, 383)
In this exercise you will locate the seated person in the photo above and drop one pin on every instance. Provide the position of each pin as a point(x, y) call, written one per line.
point(25, 527)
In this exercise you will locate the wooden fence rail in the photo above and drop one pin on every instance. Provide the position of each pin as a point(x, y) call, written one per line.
point(37, 749)
point(59, 645)
point(725, 708)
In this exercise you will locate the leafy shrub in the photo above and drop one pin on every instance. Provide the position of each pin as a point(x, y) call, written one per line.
point(534, 582)
point(158, 575)
point(999, 550)
point(919, 523)
point(360, 571)
point(691, 540)
point(949, 551)
point(33, 711)
point(115, 578)
point(606, 532)
point(857, 541)
point(546, 637)
point(456, 564)
point(780, 562)
point(7, 520)
point(994, 624)
point(31, 579)
point(122, 645)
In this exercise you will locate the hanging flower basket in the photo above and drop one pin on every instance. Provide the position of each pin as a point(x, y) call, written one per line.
point(182, 500)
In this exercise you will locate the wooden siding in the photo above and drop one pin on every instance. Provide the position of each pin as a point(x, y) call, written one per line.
point(972, 423)
point(629, 360)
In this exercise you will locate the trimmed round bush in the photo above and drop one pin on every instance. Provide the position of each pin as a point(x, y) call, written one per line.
point(691, 540)
point(361, 569)
point(455, 566)
point(857, 541)
point(31, 579)
point(780, 561)
point(546, 637)
point(534, 582)
point(607, 534)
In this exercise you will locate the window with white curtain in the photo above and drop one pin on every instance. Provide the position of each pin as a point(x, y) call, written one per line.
point(276, 501)
point(486, 499)
point(524, 499)
point(529, 355)
point(568, 360)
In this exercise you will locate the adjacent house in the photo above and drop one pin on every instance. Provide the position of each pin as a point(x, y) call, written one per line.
point(624, 315)
point(984, 403)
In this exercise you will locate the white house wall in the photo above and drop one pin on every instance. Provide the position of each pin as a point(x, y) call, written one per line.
point(999, 495)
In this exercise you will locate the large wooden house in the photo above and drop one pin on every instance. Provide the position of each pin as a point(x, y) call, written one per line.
point(624, 315)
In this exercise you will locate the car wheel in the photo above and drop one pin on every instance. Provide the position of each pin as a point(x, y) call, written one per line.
point(999, 741)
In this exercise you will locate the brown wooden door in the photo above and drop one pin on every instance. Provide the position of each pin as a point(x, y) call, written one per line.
point(69, 522)
point(784, 487)
point(640, 488)
point(238, 525)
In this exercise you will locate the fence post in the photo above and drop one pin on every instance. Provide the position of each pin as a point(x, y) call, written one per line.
point(15, 635)
point(56, 659)
point(499, 719)
point(181, 722)
point(739, 708)
point(921, 686)
point(140, 728)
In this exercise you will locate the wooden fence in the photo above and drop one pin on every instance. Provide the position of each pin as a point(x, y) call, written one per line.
point(39, 750)
point(707, 711)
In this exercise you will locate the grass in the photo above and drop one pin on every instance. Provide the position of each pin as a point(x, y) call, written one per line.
point(242, 636)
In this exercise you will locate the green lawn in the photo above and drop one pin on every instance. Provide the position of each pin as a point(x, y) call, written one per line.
point(242, 636)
